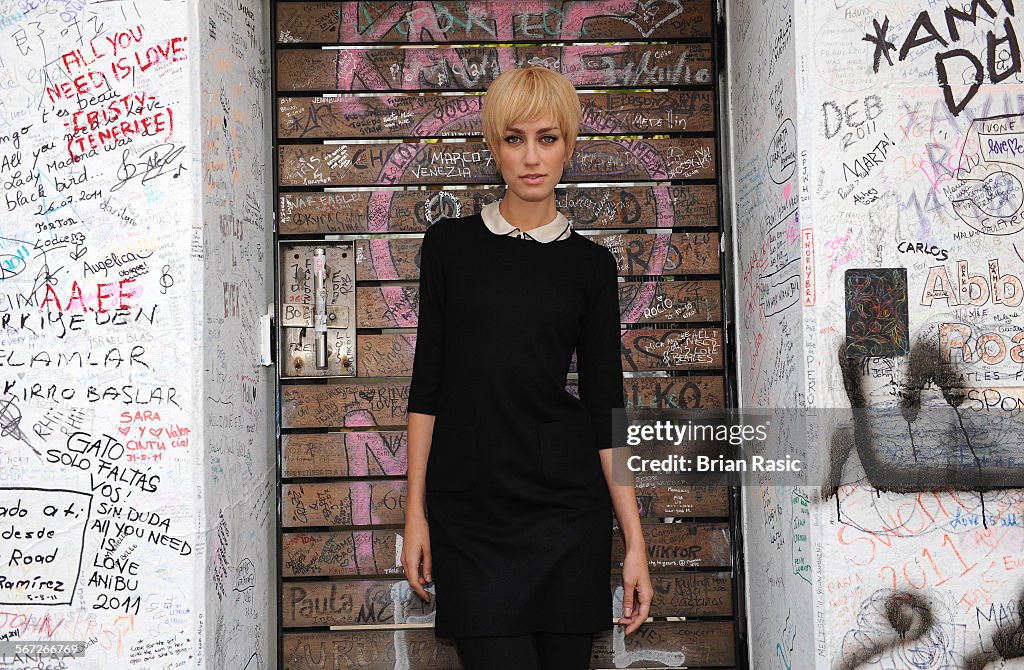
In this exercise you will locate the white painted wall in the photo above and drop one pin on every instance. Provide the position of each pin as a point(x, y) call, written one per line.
point(126, 432)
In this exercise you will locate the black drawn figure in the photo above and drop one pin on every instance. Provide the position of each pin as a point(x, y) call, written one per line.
point(899, 630)
point(689, 398)
point(904, 630)
point(928, 435)
point(10, 422)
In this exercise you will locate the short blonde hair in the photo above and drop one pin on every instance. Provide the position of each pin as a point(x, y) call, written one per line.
point(527, 94)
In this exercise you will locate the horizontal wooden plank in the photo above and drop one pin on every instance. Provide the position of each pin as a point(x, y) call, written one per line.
point(384, 454)
point(391, 354)
point(358, 453)
point(675, 392)
point(352, 454)
point(387, 306)
point(373, 553)
point(675, 546)
point(384, 211)
point(663, 254)
point(391, 601)
point(659, 253)
point(355, 404)
point(474, 68)
point(471, 162)
point(388, 259)
point(369, 650)
point(488, 21)
point(677, 349)
point(664, 302)
point(682, 501)
point(692, 594)
point(388, 355)
point(402, 116)
point(639, 302)
point(350, 404)
point(657, 644)
point(356, 553)
point(351, 603)
point(362, 503)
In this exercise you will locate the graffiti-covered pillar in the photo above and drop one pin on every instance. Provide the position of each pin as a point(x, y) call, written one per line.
point(771, 343)
point(878, 164)
point(136, 469)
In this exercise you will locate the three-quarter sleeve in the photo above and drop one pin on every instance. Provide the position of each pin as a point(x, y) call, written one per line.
point(599, 352)
point(428, 362)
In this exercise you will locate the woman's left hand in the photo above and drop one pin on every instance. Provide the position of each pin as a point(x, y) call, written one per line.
point(637, 590)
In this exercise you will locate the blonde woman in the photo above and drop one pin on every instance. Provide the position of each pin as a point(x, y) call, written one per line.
point(510, 489)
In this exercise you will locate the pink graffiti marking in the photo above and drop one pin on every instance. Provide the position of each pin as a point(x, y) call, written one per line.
point(379, 208)
point(363, 541)
point(358, 418)
point(360, 446)
point(660, 251)
point(497, 20)
point(454, 68)
point(666, 215)
point(400, 309)
point(353, 66)
point(642, 301)
point(383, 263)
point(355, 454)
point(648, 157)
point(359, 496)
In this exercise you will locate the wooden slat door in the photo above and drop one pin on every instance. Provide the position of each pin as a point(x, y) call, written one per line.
point(365, 91)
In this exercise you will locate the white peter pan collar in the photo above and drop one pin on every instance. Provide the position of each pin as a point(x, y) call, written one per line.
point(558, 229)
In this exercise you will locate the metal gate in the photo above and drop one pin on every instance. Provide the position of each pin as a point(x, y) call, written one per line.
point(378, 136)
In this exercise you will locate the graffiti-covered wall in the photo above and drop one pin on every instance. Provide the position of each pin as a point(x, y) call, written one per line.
point(912, 120)
point(909, 167)
point(239, 476)
point(114, 406)
point(770, 327)
point(101, 515)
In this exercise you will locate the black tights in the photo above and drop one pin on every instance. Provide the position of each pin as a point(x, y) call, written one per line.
point(537, 651)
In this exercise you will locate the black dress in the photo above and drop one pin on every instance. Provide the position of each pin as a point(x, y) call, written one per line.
point(517, 505)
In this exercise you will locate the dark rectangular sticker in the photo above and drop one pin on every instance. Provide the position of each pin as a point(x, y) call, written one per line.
point(877, 312)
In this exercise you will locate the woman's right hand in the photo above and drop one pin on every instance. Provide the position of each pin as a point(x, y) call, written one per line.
point(416, 554)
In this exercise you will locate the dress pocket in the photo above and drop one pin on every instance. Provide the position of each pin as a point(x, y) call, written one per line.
point(569, 455)
point(452, 461)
